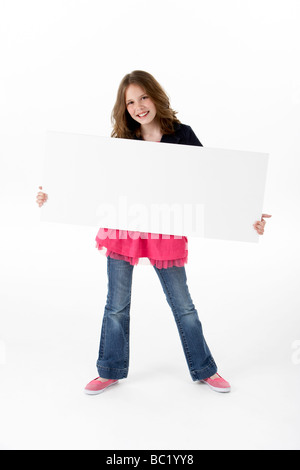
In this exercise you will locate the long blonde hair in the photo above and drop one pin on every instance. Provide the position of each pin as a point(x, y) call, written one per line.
point(127, 128)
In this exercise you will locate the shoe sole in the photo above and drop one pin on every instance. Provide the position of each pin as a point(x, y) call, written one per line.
point(215, 389)
point(96, 392)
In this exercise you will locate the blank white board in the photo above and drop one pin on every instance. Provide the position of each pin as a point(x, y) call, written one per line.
point(153, 187)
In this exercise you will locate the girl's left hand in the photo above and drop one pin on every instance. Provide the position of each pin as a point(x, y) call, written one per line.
point(259, 226)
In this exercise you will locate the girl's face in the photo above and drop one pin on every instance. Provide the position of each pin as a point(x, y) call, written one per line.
point(140, 107)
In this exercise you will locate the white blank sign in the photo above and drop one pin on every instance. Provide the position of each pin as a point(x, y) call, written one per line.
point(153, 187)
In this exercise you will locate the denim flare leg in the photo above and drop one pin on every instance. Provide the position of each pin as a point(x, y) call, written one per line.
point(113, 359)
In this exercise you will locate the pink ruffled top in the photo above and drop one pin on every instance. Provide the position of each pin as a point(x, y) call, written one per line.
point(163, 251)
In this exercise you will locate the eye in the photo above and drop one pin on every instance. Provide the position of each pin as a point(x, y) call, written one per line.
point(130, 102)
point(145, 97)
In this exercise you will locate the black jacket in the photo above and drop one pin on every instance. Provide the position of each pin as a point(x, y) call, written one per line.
point(183, 135)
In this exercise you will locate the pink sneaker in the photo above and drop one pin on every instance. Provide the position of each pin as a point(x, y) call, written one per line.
point(96, 386)
point(218, 384)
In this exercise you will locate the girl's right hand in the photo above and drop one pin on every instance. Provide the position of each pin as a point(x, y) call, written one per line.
point(41, 198)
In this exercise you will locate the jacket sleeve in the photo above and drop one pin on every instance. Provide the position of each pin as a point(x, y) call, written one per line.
point(191, 138)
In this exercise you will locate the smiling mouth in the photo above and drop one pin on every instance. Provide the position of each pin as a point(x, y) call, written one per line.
point(142, 115)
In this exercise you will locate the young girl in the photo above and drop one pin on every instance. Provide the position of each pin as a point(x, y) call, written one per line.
point(142, 111)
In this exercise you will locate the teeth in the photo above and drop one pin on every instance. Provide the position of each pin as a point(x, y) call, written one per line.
point(144, 114)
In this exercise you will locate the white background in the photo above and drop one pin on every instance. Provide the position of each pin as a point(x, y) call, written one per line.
point(231, 70)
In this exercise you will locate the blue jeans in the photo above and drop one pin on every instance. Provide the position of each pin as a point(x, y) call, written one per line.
point(113, 359)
